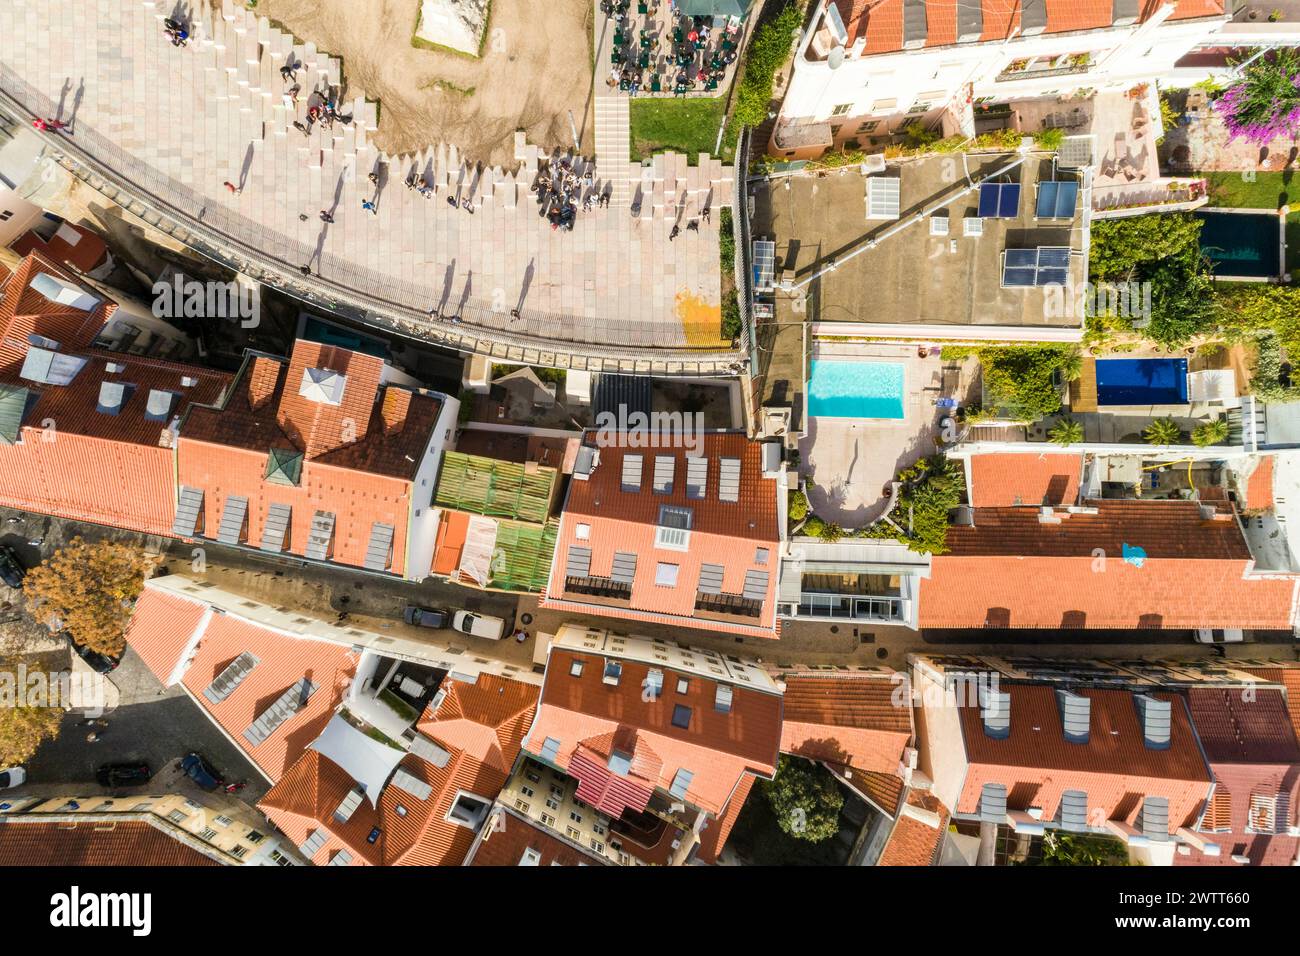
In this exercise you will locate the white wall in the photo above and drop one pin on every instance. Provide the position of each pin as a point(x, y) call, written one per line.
point(21, 215)
point(422, 530)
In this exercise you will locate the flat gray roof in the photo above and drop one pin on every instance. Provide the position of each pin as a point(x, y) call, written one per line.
point(913, 277)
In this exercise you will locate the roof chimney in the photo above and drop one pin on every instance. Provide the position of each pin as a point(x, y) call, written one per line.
point(914, 25)
point(1156, 716)
point(1076, 716)
point(1033, 17)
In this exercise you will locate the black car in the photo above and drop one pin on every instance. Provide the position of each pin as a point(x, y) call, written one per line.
point(100, 663)
point(426, 616)
point(11, 570)
point(123, 774)
point(201, 772)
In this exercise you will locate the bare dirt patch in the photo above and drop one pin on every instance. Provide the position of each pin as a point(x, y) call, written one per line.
point(535, 68)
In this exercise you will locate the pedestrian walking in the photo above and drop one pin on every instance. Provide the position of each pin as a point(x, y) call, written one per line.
point(369, 206)
point(232, 188)
point(326, 217)
point(288, 73)
point(675, 233)
point(704, 213)
point(451, 201)
point(305, 270)
point(467, 206)
point(41, 125)
point(294, 91)
point(374, 178)
point(299, 126)
point(693, 226)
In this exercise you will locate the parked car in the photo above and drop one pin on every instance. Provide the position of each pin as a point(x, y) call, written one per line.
point(1217, 635)
point(101, 663)
point(123, 774)
point(12, 571)
point(426, 617)
point(479, 625)
point(13, 777)
point(200, 771)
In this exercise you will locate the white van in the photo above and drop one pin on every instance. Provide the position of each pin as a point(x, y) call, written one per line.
point(479, 625)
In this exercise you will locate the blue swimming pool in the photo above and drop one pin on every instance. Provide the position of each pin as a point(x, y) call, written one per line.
point(848, 389)
point(1141, 381)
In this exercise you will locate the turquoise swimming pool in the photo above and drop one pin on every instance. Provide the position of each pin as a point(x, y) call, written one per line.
point(855, 389)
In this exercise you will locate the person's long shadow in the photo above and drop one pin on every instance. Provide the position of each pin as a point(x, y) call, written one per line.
point(76, 105)
point(248, 164)
point(528, 281)
point(317, 257)
point(464, 295)
point(446, 286)
point(63, 98)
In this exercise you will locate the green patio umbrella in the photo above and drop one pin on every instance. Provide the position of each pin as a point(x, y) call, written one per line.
point(714, 8)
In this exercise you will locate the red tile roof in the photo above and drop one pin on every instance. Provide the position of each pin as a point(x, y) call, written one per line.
point(713, 838)
point(914, 841)
point(999, 481)
point(305, 798)
point(846, 719)
point(881, 21)
point(92, 843)
point(1289, 678)
point(1259, 486)
point(1010, 570)
point(25, 312)
point(716, 747)
point(1240, 727)
point(505, 843)
point(160, 632)
point(1036, 763)
point(74, 246)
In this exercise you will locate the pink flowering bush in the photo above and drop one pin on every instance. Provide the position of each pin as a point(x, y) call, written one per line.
point(1265, 103)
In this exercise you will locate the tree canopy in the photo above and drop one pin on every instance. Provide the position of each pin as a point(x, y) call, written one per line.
point(23, 729)
point(805, 799)
point(91, 589)
point(1265, 103)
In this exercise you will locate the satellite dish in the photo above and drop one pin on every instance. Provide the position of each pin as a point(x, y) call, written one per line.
point(836, 59)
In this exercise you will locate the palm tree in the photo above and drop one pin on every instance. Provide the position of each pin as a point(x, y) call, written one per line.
point(1210, 433)
point(1163, 431)
point(1066, 431)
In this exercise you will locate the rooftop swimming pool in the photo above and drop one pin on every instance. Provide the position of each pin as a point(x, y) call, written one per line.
point(853, 389)
point(1141, 381)
point(1245, 244)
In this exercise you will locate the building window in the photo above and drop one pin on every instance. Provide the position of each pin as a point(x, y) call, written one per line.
point(575, 816)
point(468, 810)
point(842, 109)
point(254, 837)
point(279, 859)
point(207, 833)
point(239, 851)
point(528, 791)
point(176, 816)
point(575, 669)
point(674, 530)
point(682, 716)
point(223, 821)
point(683, 685)
point(666, 575)
point(918, 108)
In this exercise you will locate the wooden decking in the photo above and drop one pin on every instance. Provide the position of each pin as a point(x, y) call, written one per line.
point(1083, 390)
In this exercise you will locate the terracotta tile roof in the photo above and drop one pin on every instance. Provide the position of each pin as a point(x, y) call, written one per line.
point(1289, 678)
point(505, 844)
point(913, 841)
point(1259, 486)
point(305, 798)
point(713, 838)
point(881, 21)
point(82, 254)
point(261, 414)
point(752, 515)
point(717, 748)
point(1235, 730)
point(281, 662)
point(846, 719)
point(1009, 570)
point(25, 312)
point(123, 843)
point(885, 790)
point(486, 719)
point(1114, 767)
point(999, 481)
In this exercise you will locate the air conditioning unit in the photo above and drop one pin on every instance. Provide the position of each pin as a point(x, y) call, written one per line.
point(875, 163)
point(972, 226)
point(939, 224)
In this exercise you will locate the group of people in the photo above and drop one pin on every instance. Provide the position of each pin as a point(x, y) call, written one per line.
point(560, 189)
point(176, 31)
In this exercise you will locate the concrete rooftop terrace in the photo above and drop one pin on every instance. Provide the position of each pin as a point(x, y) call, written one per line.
point(161, 129)
point(911, 278)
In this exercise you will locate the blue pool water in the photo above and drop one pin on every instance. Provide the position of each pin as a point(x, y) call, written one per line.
point(1141, 381)
point(1241, 244)
point(855, 389)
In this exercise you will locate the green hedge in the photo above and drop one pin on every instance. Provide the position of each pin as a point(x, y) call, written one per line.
point(767, 52)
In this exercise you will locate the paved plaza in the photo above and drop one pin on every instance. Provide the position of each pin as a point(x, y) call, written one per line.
point(178, 124)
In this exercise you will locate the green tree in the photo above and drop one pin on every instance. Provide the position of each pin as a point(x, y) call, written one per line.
point(1027, 380)
point(768, 49)
point(91, 588)
point(22, 729)
point(1067, 431)
point(798, 506)
point(1210, 433)
point(831, 532)
point(1082, 849)
point(805, 799)
point(1163, 431)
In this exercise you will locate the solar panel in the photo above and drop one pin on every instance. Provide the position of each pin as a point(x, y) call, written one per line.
point(1056, 200)
point(224, 684)
point(232, 519)
point(426, 749)
point(665, 466)
point(624, 569)
point(1026, 268)
point(1075, 152)
point(882, 197)
point(404, 780)
point(320, 535)
point(380, 547)
point(710, 579)
point(993, 803)
point(315, 840)
point(188, 509)
point(764, 265)
point(729, 479)
point(1074, 810)
point(681, 783)
point(348, 806)
point(1155, 818)
point(277, 525)
point(579, 562)
point(999, 200)
point(697, 476)
point(284, 707)
point(755, 585)
point(631, 478)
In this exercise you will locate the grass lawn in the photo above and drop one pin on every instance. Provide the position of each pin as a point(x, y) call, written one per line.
point(1268, 190)
point(688, 126)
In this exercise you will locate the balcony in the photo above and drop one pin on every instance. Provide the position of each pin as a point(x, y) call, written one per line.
point(1057, 66)
point(854, 607)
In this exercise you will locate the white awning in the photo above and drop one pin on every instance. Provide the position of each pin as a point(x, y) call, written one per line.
point(1213, 385)
point(364, 759)
point(480, 545)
